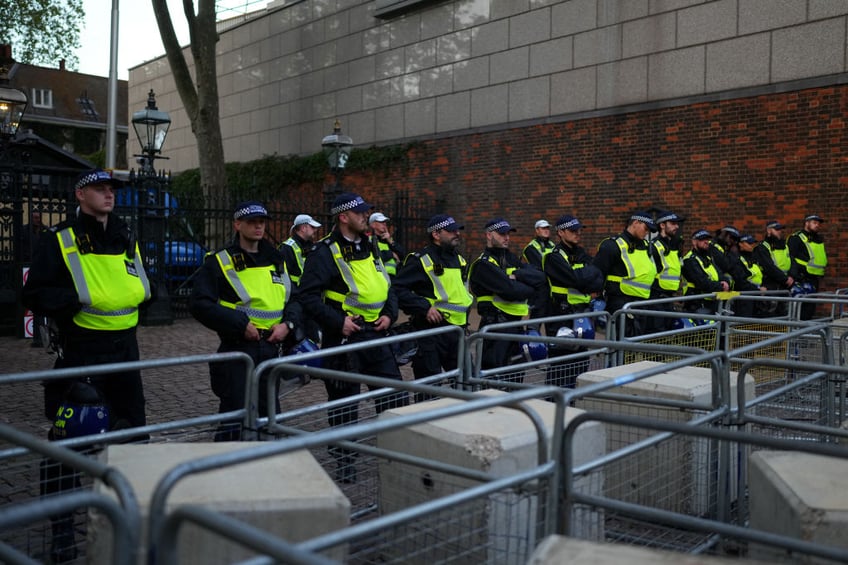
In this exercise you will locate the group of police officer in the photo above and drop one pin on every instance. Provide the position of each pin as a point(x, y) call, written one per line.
point(349, 287)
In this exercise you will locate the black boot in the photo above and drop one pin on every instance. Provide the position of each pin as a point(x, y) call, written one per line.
point(64, 546)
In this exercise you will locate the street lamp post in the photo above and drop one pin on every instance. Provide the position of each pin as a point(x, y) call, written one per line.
point(148, 201)
point(337, 148)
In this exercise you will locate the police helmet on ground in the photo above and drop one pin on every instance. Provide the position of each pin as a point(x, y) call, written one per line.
point(83, 412)
point(534, 350)
point(584, 328)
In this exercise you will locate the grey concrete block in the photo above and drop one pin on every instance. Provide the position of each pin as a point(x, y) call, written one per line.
point(706, 22)
point(419, 118)
point(453, 47)
point(405, 29)
point(649, 35)
point(762, 15)
point(470, 13)
point(819, 9)
point(473, 73)
point(453, 111)
point(551, 56)
point(529, 98)
point(738, 63)
point(389, 123)
point(421, 55)
point(622, 82)
point(490, 105)
point(490, 38)
point(389, 63)
point(809, 50)
point(505, 8)
point(573, 16)
point(597, 46)
point(436, 81)
point(509, 65)
point(437, 20)
point(617, 11)
point(573, 91)
point(530, 27)
point(676, 73)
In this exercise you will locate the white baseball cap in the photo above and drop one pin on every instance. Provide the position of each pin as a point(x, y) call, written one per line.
point(301, 219)
point(378, 217)
point(542, 224)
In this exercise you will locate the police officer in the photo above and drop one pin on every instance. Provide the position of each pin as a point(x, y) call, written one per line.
point(809, 258)
point(391, 251)
point(502, 285)
point(533, 254)
point(772, 255)
point(300, 242)
point(431, 289)
point(572, 279)
point(628, 268)
point(749, 308)
point(665, 250)
point(702, 275)
point(87, 276)
point(346, 289)
point(244, 294)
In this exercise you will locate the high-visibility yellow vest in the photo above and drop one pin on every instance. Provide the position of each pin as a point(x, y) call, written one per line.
point(669, 277)
point(110, 287)
point(571, 295)
point(708, 268)
point(779, 256)
point(511, 307)
point(367, 283)
point(298, 257)
point(641, 271)
point(389, 261)
point(755, 272)
point(818, 257)
point(452, 298)
point(262, 291)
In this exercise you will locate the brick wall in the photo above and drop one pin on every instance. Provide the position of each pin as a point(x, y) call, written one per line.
point(740, 162)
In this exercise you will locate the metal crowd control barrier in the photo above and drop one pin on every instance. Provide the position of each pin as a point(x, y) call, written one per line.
point(654, 526)
point(25, 468)
point(124, 517)
point(444, 522)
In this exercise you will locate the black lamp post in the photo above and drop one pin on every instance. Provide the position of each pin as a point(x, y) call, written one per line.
point(337, 148)
point(151, 126)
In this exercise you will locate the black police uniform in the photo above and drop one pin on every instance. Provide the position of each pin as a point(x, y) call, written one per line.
point(699, 282)
point(50, 291)
point(293, 267)
point(488, 276)
point(435, 353)
point(320, 274)
point(609, 261)
point(211, 286)
point(800, 255)
point(562, 270)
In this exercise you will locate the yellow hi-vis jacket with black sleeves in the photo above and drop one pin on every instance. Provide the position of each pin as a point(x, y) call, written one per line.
point(262, 291)
point(755, 272)
point(110, 287)
point(512, 308)
point(641, 271)
point(779, 256)
point(572, 295)
point(298, 256)
point(668, 274)
point(452, 299)
point(367, 283)
point(817, 260)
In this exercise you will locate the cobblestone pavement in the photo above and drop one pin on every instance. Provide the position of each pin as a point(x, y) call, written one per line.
point(172, 393)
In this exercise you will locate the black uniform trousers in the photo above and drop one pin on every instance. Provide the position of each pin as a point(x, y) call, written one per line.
point(228, 380)
point(435, 354)
point(499, 353)
point(378, 361)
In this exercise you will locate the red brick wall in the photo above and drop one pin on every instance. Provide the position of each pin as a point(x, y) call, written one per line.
point(739, 162)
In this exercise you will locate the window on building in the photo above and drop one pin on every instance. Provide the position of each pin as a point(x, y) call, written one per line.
point(42, 98)
point(87, 108)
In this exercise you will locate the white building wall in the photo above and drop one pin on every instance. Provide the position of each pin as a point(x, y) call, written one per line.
point(450, 67)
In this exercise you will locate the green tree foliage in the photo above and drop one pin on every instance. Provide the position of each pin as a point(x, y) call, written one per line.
point(41, 32)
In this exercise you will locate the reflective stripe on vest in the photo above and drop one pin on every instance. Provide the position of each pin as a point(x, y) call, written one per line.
point(452, 298)
point(298, 256)
point(537, 245)
point(110, 287)
point(513, 308)
point(641, 271)
point(260, 290)
point(710, 270)
point(669, 277)
point(779, 256)
point(572, 295)
point(388, 258)
point(755, 273)
point(818, 257)
point(367, 283)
